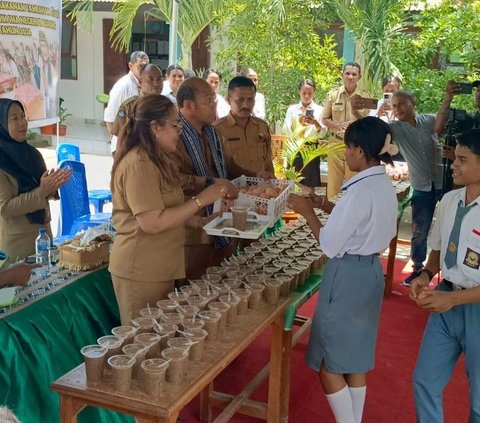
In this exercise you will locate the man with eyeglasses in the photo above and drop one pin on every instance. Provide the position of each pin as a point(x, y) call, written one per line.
point(201, 161)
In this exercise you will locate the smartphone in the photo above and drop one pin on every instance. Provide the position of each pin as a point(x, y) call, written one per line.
point(465, 87)
point(387, 98)
point(309, 112)
point(370, 103)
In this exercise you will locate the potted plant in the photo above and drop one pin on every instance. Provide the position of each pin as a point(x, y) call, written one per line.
point(62, 122)
point(304, 143)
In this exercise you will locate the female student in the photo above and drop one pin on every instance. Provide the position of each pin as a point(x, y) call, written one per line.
point(361, 225)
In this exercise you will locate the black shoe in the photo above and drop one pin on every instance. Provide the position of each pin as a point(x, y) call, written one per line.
point(408, 280)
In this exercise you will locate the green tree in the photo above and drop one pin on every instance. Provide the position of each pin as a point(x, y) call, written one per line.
point(451, 29)
point(193, 17)
point(375, 23)
point(279, 39)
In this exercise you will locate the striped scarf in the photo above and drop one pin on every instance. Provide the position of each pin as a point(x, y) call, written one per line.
point(192, 142)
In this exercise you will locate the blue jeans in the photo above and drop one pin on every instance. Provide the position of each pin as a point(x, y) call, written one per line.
point(447, 335)
point(423, 207)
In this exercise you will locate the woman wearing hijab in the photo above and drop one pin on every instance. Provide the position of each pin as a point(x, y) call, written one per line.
point(25, 184)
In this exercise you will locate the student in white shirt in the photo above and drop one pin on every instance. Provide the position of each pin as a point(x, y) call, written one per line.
point(307, 113)
point(361, 225)
point(175, 77)
point(384, 110)
point(214, 78)
point(453, 326)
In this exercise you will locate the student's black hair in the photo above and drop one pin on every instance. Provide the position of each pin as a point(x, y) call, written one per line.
point(354, 65)
point(241, 82)
point(208, 71)
point(173, 67)
point(369, 134)
point(390, 78)
point(309, 82)
point(471, 140)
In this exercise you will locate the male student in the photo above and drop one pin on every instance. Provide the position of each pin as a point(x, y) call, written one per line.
point(454, 323)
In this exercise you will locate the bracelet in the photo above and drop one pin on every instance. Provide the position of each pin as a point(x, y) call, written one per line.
point(197, 202)
point(428, 272)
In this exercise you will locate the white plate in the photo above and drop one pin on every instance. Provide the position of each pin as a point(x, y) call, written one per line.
point(222, 226)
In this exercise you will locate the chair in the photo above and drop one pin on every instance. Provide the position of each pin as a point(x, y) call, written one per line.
point(74, 207)
point(96, 197)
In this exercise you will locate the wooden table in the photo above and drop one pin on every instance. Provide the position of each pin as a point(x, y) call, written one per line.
point(75, 394)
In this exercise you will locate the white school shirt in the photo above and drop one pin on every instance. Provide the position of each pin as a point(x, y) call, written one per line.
point(364, 220)
point(296, 110)
point(259, 108)
point(466, 272)
point(223, 108)
point(127, 86)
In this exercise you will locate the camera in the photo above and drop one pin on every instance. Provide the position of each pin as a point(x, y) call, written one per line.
point(467, 87)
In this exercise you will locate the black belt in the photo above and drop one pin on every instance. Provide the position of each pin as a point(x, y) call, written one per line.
point(453, 286)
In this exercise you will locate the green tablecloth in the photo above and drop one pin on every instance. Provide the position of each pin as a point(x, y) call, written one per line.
point(42, 342)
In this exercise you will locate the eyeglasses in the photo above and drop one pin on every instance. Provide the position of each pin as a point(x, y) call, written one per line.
point(177, 124)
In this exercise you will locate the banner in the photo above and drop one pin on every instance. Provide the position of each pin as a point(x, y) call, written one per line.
point(30, 56)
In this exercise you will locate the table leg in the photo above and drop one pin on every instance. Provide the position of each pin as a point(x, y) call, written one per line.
point(205, 404)
point(275, 379)
point(392, 252)
point(285, 378)
point(69, 408)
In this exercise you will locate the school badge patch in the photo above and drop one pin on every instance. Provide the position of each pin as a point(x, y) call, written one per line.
point(452, 247)
point(472, 259)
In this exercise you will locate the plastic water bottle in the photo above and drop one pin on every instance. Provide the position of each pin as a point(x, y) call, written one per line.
point(42, 245)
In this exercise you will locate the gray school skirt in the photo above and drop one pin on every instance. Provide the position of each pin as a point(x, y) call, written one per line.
point(345, 325)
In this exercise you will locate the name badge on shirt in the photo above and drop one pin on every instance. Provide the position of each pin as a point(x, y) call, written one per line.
point(472, 259)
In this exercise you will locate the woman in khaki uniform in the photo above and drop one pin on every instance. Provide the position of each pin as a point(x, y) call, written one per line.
point(25, 184)
point(149, 212)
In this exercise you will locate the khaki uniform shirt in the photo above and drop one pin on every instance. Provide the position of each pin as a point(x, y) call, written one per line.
point(249, 147)
point(193, 184)
point(121, 118)
point(337, 105)
point(17, 234)
point(139, 187)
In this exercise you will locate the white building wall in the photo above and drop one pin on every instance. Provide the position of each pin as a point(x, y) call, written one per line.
point(79, 95)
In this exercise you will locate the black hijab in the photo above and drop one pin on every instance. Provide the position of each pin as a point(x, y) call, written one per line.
point(20, 160)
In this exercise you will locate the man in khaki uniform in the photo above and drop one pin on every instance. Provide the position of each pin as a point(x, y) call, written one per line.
point(246, 139)
point(150, 82)
point(342, 106)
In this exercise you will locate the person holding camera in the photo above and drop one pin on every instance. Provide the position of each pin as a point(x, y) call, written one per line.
point(448, 117)
point(454, 305)
point(384, 111)
point(307, 113)
point(418, 143)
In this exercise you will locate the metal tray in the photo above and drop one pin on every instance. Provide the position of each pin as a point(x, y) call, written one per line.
point(223, 226)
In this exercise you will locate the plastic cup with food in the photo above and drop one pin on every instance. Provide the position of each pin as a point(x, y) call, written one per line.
point(154, 371)
point(94, 357)
point(122, 367)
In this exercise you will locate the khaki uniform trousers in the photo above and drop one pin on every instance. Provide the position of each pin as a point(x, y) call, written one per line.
point(132, 296)
point(338, 172)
